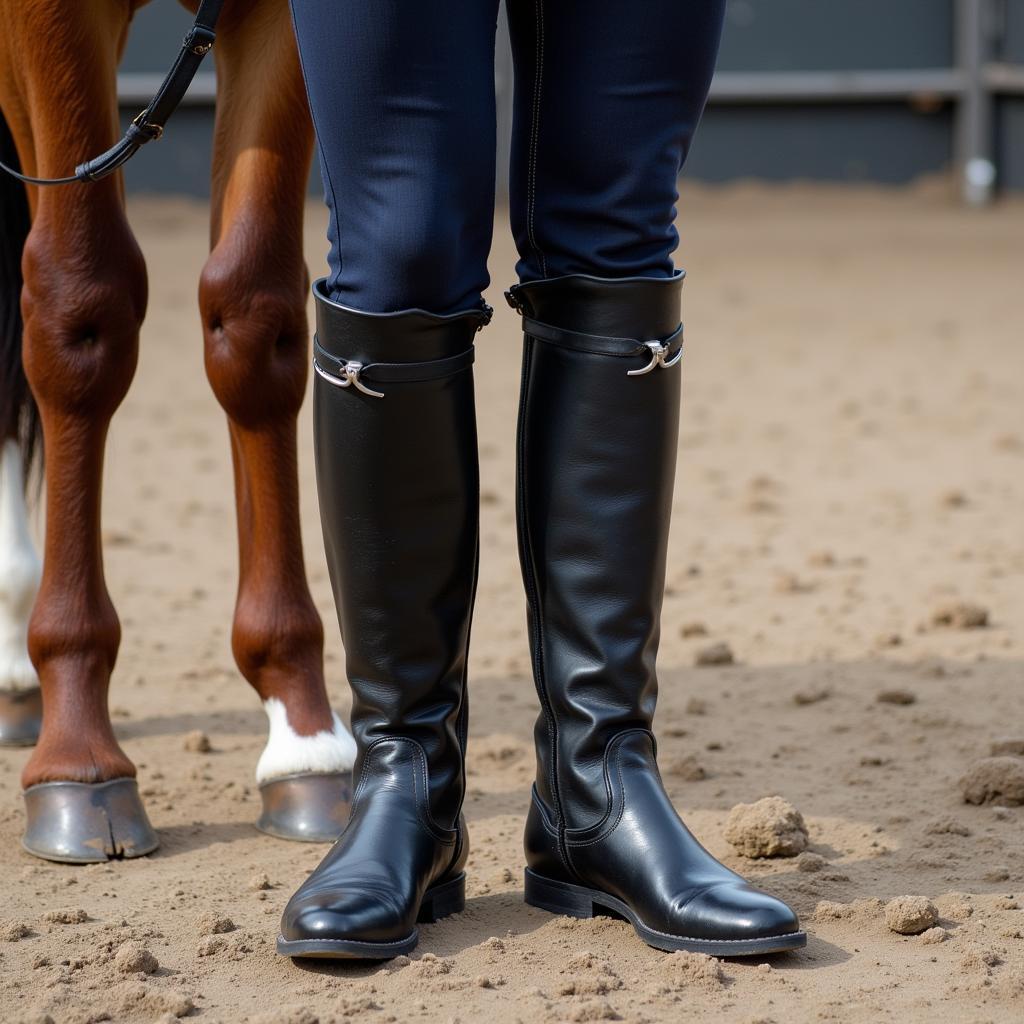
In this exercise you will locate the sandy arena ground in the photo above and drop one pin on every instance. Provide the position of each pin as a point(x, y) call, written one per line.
point(852, 461)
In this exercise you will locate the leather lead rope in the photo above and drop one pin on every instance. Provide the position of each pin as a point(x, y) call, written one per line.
point(149, 123)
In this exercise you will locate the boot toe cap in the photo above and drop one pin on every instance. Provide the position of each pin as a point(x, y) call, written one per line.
point(358, 917)
point(737, 911)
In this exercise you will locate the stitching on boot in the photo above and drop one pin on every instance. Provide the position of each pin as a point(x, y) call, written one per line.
point(552, 831)
point(611, 751)
point(442, 835)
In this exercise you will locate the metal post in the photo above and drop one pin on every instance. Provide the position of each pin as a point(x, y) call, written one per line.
point(974, 114)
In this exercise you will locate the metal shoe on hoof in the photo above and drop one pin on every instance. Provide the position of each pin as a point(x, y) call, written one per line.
point(87, 823)
point(309, 807)
point(21, 716)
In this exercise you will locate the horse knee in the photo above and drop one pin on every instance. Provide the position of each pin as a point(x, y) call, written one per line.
point(256, 340)
point(82, 315)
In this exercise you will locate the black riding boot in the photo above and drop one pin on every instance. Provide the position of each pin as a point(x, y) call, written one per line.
point(397, 474)
point(598, 429)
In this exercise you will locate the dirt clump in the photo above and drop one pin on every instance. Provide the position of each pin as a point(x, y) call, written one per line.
point(64, 916)
point(13, 931)
point(771, 827)
point(899, 697)
point(676, 971)
point(212, 923)
point(197, 742)
point(994, 780)
point(714, 654)
point(1012, 746)
point(910, 915)
point(960, 615)
point(133, 958)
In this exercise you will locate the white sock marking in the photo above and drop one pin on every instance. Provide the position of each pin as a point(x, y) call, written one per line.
point(287, 753)
point(20, 571)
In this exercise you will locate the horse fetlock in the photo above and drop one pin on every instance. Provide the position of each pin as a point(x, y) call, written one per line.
point(288, 752)
point(74, 638)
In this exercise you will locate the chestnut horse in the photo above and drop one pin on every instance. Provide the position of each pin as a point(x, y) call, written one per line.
point(71, 256)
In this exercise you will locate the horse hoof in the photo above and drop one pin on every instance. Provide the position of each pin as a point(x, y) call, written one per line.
point(87, 823)
point(21, 715)
point(309, 808)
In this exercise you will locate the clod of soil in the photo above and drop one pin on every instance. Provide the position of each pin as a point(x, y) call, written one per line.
point(676, 971)
point(910, 915)
point(933, 936)
point(812, 695)
point(790, 583)
point(259, 882)
point(210, 944)
point(888, 639)
point(771, 827)
point(946, 827)
point(1012, 745)
point(593, 1011)
point(214, 924)
point(76, 916)
point(955, 906)
point(688, 769)
point(897, 696)
point(994, 780)
point(960, 615)
point(954, 498)
point(13, 931)
point(132, 958)
point(811, 862)
point(858, 910)
point(715, 654)
point(138, 1001)
point(197, 742)
point(691, 629)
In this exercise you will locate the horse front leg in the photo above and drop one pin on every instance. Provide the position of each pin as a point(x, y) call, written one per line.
point(83, 300)
point(253, 296)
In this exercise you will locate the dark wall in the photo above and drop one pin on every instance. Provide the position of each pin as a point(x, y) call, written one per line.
point(889, 142)
point(794, 35)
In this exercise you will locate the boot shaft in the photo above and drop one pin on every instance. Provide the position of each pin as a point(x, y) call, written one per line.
point(596, 466)
point(398, 482)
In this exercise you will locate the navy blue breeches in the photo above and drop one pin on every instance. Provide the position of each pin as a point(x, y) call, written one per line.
point(608, 94)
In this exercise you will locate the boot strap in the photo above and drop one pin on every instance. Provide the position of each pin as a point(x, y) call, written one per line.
point(664, 353)
point(351, 373)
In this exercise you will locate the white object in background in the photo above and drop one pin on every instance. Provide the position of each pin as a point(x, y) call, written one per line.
point(20, 572)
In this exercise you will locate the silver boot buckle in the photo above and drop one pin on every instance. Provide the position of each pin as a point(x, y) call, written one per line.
point(351, 378)
point(658, 353)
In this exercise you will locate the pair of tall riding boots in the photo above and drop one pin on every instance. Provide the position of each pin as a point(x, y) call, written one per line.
point(397, 471)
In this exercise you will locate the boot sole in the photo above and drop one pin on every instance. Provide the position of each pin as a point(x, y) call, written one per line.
point(438, 902)
point(577, 901)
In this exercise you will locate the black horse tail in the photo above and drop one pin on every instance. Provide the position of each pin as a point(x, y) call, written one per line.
point(19, 416)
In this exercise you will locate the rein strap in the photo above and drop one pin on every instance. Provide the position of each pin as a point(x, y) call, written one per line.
point(149, 124)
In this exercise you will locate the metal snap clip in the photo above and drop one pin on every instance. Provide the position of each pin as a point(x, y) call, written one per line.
point(658, 353)
point(351, 378)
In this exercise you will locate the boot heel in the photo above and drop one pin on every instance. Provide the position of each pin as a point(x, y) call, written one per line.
point(557, 897)
point(442, 900)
